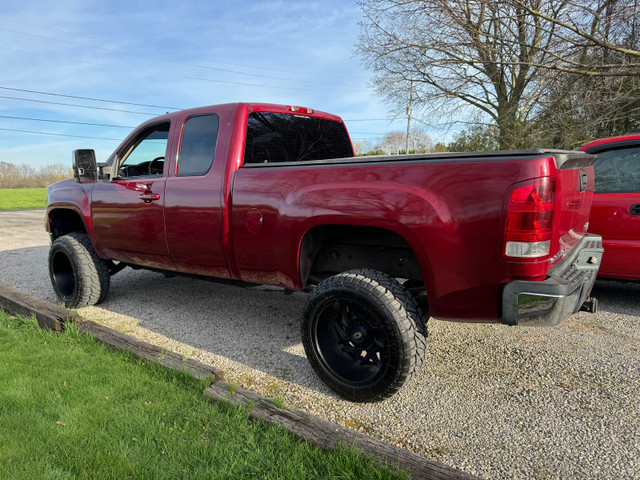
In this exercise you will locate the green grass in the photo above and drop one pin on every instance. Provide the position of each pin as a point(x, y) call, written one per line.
point(72, 408)
point(22, 198)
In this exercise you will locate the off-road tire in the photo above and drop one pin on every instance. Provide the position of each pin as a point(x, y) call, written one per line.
point(347, 312)
point(79, 276)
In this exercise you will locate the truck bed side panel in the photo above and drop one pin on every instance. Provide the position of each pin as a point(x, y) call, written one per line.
point(449, 212)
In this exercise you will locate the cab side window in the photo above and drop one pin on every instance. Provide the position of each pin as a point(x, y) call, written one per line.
point(198, 145)
point(618, 170)
point(145, 155)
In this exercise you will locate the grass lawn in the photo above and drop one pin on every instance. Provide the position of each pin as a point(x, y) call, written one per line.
point(72, 408)
point(22, 198)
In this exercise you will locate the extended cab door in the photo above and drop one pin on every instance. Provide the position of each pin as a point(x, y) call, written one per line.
point(615, 213)
point(193, 197)
point(128, 212)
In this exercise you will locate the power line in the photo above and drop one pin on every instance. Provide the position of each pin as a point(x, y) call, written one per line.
point(162, 107)
point(66, 32)
point(110, 125)
point(95, 99)
point(66, 122)
point(76, 105)
point(32, 132)
point(58, 134)
point(370, 120)
point(358, 137)
point(368, 133)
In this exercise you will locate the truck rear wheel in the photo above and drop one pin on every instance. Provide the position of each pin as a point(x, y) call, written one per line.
point(79, 276)
point(364, 334)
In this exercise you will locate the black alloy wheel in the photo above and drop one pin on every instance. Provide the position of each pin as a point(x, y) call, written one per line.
point(364, 334)
point(351, 341)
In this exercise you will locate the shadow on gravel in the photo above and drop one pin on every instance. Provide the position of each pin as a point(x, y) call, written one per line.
point(26, 269)
point(258, 326)
point(617, 296)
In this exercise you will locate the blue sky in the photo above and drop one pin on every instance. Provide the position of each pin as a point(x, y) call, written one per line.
point(173, 55)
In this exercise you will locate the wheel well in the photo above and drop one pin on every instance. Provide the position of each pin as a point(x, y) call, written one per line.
point(331, 249)
point(65, 221)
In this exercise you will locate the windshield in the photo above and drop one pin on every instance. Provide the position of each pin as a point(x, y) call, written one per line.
point(281, 137)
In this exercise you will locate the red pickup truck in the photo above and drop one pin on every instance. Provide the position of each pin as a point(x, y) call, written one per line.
point(615, 213)
point(268, 194)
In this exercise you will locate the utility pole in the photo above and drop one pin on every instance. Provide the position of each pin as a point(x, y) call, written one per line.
point(409, 110)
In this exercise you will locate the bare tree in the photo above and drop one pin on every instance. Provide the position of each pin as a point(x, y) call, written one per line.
point(420, 142)
point(360, 147)
point(499, 59)
point(605, 26)
point(578, 109)
point(26, 176)
point(597, 90)
point(9, 175)
point(393, 143)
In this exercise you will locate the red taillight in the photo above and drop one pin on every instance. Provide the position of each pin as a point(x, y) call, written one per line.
point(529, 225)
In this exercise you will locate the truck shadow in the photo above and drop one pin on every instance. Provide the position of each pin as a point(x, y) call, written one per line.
point(617, 296)
point(26, 269)
point(258, 326)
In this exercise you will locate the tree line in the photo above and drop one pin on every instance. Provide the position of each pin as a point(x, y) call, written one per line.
point(514, 73)
point(26, 176)
point(473, 139)
point(395, 143)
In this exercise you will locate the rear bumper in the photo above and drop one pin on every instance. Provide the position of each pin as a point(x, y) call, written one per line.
point(549, 302)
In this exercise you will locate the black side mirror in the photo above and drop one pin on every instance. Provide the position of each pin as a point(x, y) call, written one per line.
point(85, 169)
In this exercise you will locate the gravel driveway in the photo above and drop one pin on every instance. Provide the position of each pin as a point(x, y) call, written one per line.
point(494, 401)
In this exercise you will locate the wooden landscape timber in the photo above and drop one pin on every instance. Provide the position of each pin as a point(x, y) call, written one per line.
point(49, 315)
point(328, 435)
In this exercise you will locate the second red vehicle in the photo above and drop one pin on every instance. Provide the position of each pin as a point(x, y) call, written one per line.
point(615, 214)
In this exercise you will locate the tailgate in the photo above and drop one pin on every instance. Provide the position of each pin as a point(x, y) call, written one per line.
point(574, 195)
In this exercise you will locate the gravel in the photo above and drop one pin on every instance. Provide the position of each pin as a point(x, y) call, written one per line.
point(494, 401)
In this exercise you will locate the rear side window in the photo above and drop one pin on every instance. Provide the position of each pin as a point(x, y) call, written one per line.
point(198, 146)
point(280, 137)
point(618, 170)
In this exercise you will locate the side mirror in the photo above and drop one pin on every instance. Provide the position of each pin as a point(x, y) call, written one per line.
point(85, 169)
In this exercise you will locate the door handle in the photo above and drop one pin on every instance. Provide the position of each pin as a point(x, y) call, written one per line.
point(635, 209)
point(149, 197)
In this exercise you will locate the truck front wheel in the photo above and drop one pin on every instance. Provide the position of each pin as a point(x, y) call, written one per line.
point(364, 334)
point(78, 275)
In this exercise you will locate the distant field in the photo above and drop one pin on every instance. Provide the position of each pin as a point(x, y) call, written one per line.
point(22, 198)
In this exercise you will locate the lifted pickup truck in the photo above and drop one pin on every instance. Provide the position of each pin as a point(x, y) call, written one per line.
point(615, 213)
point(268, 194)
